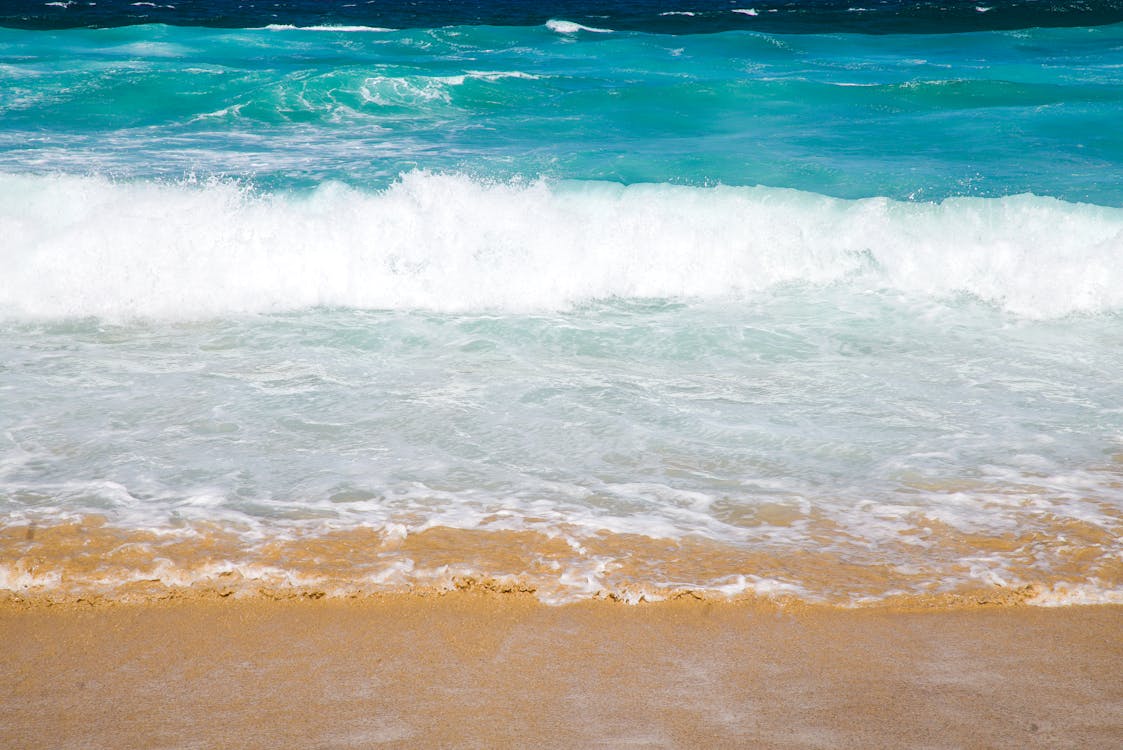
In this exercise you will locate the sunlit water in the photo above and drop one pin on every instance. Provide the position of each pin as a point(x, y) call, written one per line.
point(587, 310)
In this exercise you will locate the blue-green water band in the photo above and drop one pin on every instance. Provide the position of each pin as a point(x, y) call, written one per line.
point(910, 117)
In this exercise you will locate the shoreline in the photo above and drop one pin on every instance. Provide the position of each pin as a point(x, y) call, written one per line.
point(473, 669)
point(155, 594)
point(88, 558)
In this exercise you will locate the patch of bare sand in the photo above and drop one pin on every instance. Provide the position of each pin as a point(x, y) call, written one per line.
point(471, 669)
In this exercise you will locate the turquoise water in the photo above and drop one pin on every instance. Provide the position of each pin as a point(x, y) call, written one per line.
point(910, 117)
point(573, 279)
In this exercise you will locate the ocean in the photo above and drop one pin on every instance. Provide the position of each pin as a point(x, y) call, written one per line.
point(809, 300)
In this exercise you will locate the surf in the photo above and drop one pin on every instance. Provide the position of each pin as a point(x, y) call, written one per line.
point(90, 246)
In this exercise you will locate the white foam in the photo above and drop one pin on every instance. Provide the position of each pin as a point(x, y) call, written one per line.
point(397, 91)
point(746, 11)
point(1069, 594)
point(17, 577)
point(340, 29)
point(86, 246)
point(495, 75)
point(569, 27)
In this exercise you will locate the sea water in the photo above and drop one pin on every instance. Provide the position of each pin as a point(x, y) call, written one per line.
point(584, 299)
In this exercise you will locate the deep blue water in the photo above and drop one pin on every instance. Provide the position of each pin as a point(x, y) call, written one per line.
point(663, 17)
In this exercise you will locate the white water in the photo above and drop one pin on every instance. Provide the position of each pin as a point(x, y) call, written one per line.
point(86, 246)
point(569, 27)
point(338, 29)
point(890, 382)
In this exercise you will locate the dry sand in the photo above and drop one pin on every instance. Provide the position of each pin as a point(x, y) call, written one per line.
point(476, 670)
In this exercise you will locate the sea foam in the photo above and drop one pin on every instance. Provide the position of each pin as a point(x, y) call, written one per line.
point(569, 27)
point(337, 29)
point(88, 246)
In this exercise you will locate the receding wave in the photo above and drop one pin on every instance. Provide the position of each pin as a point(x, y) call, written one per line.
point(88, 246)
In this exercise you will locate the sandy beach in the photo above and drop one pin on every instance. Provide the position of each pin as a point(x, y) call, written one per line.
point(470, 669)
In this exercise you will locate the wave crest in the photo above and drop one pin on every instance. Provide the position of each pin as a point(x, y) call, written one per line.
point(569, 27)
point(87, 246)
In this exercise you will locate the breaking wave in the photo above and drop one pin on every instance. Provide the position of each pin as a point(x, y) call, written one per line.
point(88, 246)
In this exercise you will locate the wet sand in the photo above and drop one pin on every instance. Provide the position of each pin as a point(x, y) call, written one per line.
point(482, 670)
point(89, 558)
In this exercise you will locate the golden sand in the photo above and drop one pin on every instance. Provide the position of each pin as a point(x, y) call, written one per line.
point(489, 670)
point(194, 637)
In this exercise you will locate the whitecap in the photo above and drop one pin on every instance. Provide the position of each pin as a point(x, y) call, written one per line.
point(569, 27)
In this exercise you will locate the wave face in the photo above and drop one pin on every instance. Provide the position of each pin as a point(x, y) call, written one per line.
point(685, 17)
point(612, 299)
point(80, 247)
